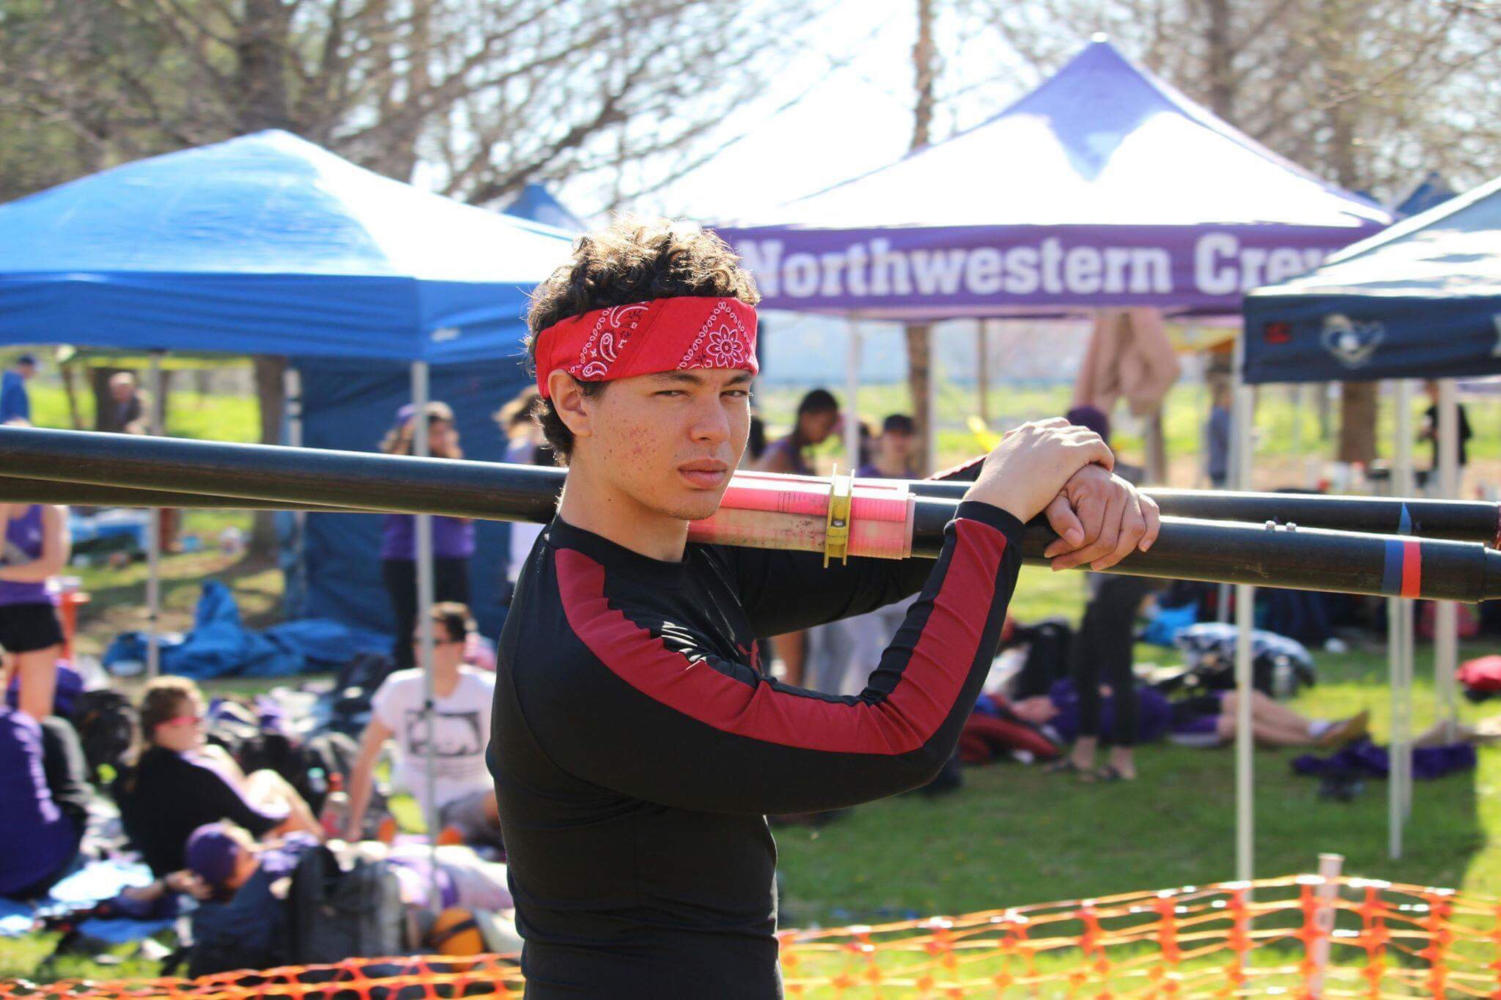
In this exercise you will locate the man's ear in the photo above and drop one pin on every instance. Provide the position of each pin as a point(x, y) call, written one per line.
point(569, 402)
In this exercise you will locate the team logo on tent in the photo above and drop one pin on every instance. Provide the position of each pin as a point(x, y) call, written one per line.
point(1351, 343)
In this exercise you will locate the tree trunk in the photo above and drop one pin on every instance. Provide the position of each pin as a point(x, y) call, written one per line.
point(70, 388)
point(1357, 422)
point(919, 340)
point(270, 391)
point(919, 335)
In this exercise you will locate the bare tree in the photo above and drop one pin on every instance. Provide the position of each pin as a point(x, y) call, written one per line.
point(1368, 93)
point(488, 95)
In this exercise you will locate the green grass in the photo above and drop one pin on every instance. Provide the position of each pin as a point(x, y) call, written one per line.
point(1013, 835)
point(189, 414)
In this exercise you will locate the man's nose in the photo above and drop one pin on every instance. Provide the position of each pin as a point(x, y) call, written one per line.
point(711, 423)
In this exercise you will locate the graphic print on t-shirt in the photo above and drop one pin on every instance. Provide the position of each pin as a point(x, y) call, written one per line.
point(455, 735)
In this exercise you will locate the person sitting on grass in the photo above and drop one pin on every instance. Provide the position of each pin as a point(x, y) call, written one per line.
point(222, 857)
point(179, 782)
point(461, 791)
point(1203, 720)
point(45, 797)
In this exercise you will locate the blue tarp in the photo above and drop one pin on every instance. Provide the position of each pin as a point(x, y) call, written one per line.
point(1421, 300)
point(267, 244)
point(350, 407)
point(220, 646)
point(1102, 187)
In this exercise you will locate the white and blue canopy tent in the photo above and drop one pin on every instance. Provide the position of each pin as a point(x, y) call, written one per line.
point(269, 244)
point(1420, 300)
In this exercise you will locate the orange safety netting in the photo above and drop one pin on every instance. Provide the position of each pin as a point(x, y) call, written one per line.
point(1299, 935)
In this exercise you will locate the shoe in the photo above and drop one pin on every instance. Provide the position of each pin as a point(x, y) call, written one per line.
point(1110, 773)
point(1354, 728)
point(449, 836)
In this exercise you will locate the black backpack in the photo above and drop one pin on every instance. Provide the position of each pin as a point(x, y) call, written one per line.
point(339, 913)
point(106, 725)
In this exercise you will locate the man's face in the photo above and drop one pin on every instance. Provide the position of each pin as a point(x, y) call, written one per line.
point(25, 370)
point(897, 445)
point(667, 443)
point(122, 390)
point(818, 426)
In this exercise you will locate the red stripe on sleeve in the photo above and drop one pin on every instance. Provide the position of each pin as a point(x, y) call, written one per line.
point(1412, 567)
point(900, 723)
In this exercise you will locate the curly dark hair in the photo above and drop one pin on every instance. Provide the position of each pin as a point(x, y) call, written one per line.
point(633, 260)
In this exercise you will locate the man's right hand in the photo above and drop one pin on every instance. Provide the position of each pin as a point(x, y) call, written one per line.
point(1032, 463)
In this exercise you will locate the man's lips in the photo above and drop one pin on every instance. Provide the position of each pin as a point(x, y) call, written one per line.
point(705, 474)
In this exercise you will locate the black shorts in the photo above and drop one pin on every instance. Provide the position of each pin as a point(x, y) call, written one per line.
point(25, 628)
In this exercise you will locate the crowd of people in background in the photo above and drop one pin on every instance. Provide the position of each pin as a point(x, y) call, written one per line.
point(207, 828)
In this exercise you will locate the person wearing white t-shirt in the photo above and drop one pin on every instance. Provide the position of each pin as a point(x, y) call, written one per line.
point(462, 790)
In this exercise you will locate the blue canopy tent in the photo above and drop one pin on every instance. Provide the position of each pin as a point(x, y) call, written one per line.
point(1430, 191)
point(349, 405)
point(1420, 300)
point(537, 203)
point(268, 244)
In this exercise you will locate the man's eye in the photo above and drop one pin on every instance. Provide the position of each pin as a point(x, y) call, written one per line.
point(669, 392)
point(737, 393)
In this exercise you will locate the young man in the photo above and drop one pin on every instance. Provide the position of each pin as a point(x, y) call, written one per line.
point(637, 742)
point(461, 721)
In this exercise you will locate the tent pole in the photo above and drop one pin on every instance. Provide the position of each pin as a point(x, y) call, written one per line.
point(292, 391)
point(154, 422)
point(852, 396)
point(931, 431)
point(424, 553)
point(1245, 829)
point(982, 368)
point(1399, 642)
point(1446, 617)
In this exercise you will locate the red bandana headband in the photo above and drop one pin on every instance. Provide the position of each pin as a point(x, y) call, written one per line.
point(647, 338)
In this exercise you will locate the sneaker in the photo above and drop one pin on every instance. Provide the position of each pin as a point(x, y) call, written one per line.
point(1354, 728)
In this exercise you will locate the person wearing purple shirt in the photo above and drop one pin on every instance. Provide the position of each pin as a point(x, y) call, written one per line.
point(33, 546)
point(45, 796)
point(453, 537)
point(1203, 720)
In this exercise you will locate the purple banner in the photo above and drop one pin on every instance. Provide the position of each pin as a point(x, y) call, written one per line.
point(987, 270)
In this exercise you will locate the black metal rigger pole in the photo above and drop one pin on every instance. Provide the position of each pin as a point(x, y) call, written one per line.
point(79, 467)
point(1456, 520)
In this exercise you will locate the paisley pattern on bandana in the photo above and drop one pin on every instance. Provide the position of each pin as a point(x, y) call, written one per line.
point(721, 342)
point(645, 338)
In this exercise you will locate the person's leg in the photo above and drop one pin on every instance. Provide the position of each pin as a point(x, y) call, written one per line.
point(1120, 598)
point(1273, 713)
point(1084, 668)
point(475, 816)
point(451, 580)
point(400, 576)
point(478, 884)
point(38, 672)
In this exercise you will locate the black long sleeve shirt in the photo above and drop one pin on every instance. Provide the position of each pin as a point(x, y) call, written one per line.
point(637, 743)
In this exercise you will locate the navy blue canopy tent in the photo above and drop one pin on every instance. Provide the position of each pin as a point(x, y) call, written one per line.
point(1420, 300)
